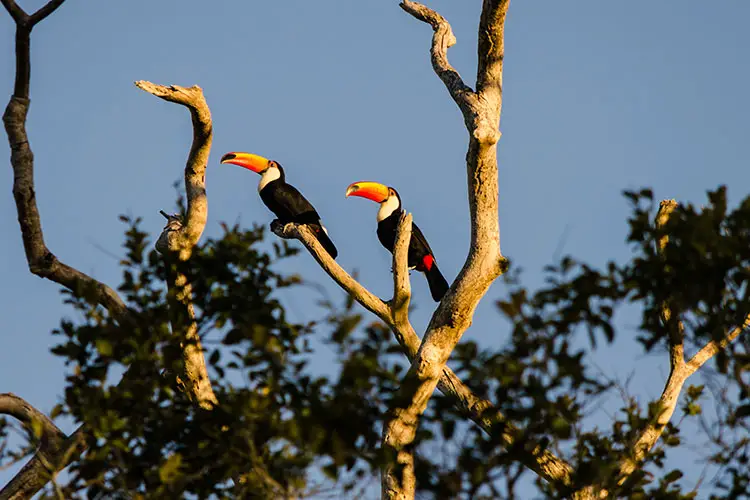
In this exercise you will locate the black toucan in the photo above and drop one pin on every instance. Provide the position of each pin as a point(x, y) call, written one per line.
point(420, 257)
point(283, 199)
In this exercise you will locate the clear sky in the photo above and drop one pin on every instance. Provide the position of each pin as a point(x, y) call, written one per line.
point(599, 97)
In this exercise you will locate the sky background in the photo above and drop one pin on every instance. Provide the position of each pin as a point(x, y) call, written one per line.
point(599, 97)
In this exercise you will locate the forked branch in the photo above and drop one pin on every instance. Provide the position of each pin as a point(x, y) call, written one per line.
point(45, 11)
point(479, 410)
point(484, 262)
point(40, 259)
point(680, 370)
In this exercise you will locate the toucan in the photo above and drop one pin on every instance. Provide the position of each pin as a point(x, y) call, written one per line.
point(281, 198)
point(420, 255)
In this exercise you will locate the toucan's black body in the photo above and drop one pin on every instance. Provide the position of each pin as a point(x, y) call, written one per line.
point(420, 256)
point(289, 205)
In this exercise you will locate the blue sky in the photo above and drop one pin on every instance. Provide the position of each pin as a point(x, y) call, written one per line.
point(599, 97)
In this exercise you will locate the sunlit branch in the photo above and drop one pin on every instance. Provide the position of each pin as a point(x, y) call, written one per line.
point(670, 319)
point(679, 373)
point(178, 238)
point(484, 263)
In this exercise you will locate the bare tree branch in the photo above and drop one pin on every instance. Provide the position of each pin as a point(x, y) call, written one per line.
point(54, 453)
point(177, 240)
point(16, 407)
point(671, 320)
point(41, 260)
point(45, 11)
point(484, 262)
point(479, 410)
point(491, 50)
point(362, 295)
point(680, 370)
point(43, 466)
point(442, 40)
point(16, 12)
point(400, 313)
point(652, 432)
point(712, 348)
point(195, 170)
point(399, 305)
point(194, 374)
point(24, 25)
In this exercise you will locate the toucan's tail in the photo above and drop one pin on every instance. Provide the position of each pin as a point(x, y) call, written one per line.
point(322, 234)
point(438, 285)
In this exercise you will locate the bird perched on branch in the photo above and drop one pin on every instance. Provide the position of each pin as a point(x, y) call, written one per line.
point(420, 256)
point(281, 198)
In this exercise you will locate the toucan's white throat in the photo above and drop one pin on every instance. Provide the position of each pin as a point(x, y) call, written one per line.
point(390, 205)
point(268, 175)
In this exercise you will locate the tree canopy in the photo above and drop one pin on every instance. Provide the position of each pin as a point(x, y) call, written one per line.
point(189, 379)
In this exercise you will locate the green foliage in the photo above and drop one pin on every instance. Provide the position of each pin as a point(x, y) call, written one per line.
point(284, 426)
point(276, 419)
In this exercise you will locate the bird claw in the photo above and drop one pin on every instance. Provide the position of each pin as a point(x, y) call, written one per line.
point(171, 217)
point(277, 228)
point(409, 269)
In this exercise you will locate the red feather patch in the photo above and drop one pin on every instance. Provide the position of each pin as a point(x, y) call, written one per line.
point(427, 262)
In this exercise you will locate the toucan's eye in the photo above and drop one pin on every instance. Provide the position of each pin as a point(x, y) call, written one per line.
point(390, 192)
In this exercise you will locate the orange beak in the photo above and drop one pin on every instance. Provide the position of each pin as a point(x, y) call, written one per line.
point(371, 190)
point(249, 161)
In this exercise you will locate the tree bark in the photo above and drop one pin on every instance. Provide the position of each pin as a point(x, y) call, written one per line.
point(481, 110)
point(178, 238)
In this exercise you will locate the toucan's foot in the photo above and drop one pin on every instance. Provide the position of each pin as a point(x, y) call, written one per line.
point(410, 269)
point(277, 227)
point(282, 229)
